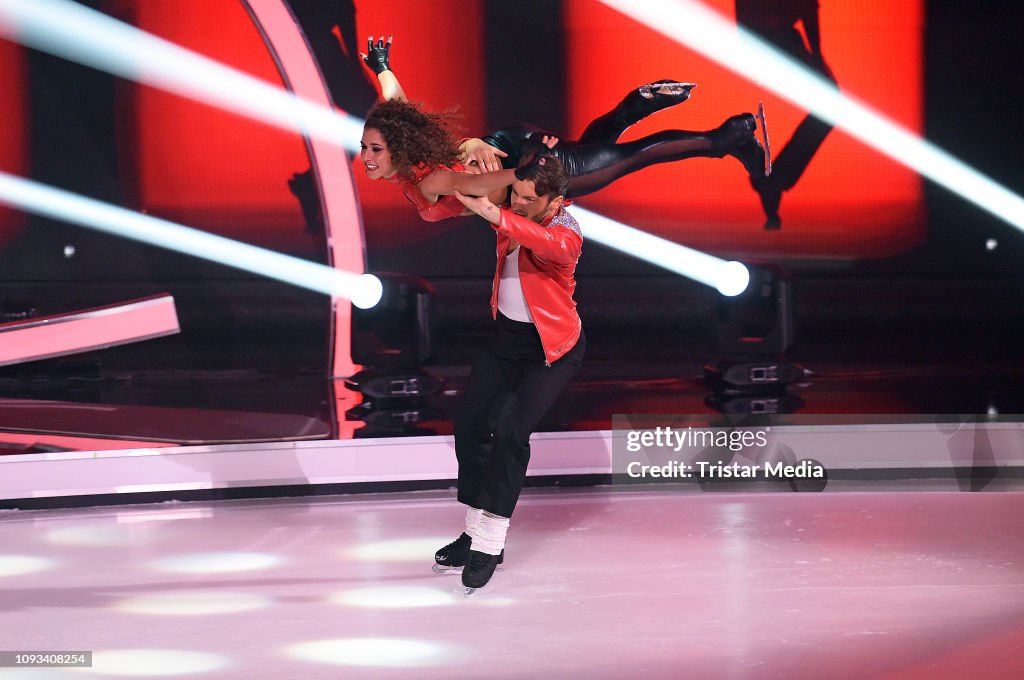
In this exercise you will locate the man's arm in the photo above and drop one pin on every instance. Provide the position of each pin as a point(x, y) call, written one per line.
point(555, 244)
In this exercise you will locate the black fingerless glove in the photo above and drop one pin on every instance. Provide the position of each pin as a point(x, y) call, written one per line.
point(535, 155)
point(377, 56)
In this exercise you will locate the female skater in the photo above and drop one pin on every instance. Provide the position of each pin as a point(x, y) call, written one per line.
point(597, 159)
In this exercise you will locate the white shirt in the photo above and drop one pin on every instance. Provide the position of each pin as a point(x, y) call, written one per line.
point(511, 301)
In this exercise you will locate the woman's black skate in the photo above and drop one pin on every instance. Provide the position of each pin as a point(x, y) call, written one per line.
point(479, 570)
point(453, 557)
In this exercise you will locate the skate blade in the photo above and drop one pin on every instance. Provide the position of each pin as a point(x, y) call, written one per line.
point(765, 141)
point(440, 569)
point(469, 591)
point(674, 89)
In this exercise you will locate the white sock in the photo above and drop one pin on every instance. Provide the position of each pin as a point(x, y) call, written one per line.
point(473, 516)
point(489, 534)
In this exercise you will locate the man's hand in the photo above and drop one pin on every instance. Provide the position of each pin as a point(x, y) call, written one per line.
point(377, 56)
point(481, 205)
point(535, 154)
point(479, 157)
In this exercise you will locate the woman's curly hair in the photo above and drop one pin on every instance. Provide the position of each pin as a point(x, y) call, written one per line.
point(413, 136)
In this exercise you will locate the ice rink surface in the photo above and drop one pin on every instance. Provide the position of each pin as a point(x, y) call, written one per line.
point(606, 582)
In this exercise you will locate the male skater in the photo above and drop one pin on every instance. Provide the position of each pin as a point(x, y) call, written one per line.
point(535, 350)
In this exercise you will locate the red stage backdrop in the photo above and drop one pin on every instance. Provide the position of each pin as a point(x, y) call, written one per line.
point(201, 165)
point(14, 130)
point(850, 203)
point(225, 173)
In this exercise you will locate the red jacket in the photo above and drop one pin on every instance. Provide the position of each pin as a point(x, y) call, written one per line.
point(547, 268)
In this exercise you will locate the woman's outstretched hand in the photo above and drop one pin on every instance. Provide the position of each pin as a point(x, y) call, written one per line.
point(377, 56)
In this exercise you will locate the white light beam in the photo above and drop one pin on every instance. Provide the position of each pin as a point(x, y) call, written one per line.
point(364, 290)
point(78, 33)
point(728, 277)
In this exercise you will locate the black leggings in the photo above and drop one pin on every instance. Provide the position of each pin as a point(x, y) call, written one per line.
point(595, 161)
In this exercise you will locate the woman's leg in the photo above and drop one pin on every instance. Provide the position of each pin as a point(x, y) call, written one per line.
point(594, 166)
point(635, 106)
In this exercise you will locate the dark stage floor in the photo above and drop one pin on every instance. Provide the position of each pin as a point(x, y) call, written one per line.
point(879, 346)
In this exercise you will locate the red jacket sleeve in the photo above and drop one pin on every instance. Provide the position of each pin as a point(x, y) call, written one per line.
point(556, 243)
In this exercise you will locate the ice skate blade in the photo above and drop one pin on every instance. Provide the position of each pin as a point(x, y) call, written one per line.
point(440, 569)
point(673, 89)
point(765, 142)
point(469, 591)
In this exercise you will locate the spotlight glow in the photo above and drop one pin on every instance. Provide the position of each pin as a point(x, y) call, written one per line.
point(153, 662)
point(98, 535)
point(72, 31)
point(403, 550)
point(364, 290)
point(700, 28)
point(394, 597)
point(191, 603)
point(217, 563)
point(379, 652)
point(730, 278)
point(16, 565)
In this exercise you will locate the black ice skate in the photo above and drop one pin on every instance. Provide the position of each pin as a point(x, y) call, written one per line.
point(479, 570)
point(737, 137)
point(765, 141)
point(453, 557)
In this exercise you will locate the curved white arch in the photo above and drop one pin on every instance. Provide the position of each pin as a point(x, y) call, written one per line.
point(343, 224)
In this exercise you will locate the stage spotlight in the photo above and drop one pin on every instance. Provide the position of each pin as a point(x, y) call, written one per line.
point(398, 331)
point(761, 320)
point(753, 331)
point(394, 339)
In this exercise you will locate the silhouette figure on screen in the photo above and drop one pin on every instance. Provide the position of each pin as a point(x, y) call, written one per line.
point(776, 22)
point(330, 29)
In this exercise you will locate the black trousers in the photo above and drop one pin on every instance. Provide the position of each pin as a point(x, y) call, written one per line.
point(510, 390)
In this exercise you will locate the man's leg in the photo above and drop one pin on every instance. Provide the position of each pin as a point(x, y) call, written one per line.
point(490, 376)
point(517, 416)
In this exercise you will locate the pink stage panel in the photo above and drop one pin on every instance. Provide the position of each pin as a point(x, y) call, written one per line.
point(88, 329)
